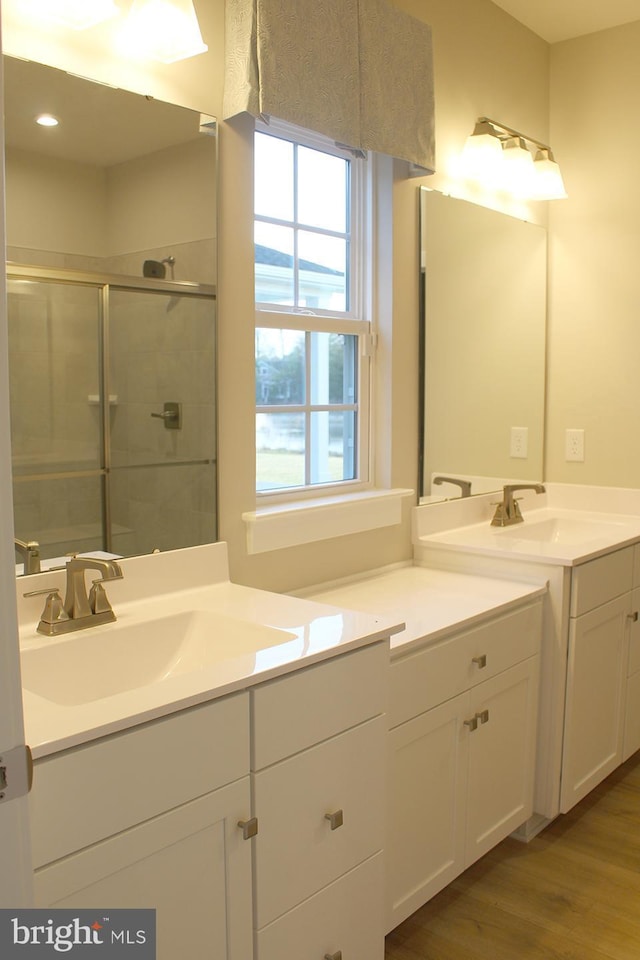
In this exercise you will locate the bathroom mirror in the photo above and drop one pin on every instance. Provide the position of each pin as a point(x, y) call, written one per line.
point(111, 274)
point(482, 332)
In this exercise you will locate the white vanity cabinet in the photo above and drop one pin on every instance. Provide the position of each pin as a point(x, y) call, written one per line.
point(599, 660)
point(318, 774)
point(462, 743)
point(164, 815)
point(149, 818)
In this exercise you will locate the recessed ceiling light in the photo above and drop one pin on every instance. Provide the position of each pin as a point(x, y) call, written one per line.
point(47, 120)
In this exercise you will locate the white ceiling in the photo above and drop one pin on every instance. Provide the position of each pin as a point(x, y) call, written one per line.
point(555, 20)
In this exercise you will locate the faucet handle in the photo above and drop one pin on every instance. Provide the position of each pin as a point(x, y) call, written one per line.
point(98, 600)
point(53, 612)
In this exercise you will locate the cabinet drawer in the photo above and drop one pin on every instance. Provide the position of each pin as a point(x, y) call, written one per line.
point(296, 851)
point(345, 916)
point(600, 580)
point(88, 793)
point(437, 673)
point(311, 705)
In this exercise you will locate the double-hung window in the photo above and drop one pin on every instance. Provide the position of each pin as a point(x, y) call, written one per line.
point(312, 333)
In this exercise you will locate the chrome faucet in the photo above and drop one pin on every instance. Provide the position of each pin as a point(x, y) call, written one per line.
point(30, 552)
point(79, 610)
point(465, 485)
point(508, 510)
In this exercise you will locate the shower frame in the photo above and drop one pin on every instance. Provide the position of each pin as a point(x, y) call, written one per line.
point(104, 283)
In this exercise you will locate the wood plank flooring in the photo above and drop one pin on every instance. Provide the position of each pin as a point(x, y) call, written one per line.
point(572, 893)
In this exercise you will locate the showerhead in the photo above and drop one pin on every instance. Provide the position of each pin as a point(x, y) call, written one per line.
point(156, 268)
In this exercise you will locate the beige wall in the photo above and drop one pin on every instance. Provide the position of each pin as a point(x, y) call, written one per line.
point(594, 329)
point(485, 63)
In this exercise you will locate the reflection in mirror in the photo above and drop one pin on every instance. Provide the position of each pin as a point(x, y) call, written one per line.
point(483, 318)
point(111, 240)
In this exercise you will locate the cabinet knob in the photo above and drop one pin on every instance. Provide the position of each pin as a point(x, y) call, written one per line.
point(483, 716)
point(630, 616)
point(472, 723)
point(335, 819)
point(333, 956)
point(249, 827)
point(480, 661)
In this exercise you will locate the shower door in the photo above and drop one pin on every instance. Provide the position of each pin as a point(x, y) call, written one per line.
point(56, 414)
point(161, 455)
point(99, 462)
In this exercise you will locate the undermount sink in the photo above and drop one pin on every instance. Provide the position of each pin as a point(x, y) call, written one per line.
point(104, 661)
point(561, 530)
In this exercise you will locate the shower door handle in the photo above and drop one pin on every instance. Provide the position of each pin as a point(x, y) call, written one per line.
point(172, 416)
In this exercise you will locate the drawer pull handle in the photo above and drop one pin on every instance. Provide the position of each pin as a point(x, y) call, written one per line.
point(633, 616)
point(473, 723)
point(481, 661)
point(483, 716)
point(335, 819)
point(249, 827)
point(333, 956)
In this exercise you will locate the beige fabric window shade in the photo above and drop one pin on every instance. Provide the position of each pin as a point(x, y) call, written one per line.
point(358, 71)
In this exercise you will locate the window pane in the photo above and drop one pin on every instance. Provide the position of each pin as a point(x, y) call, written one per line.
point(332, 446)
point(322, 190)
point(333, 368)
point(274, 264)
point(280, 444)
point(280, 367)
point(323, 272)
point(273, 177)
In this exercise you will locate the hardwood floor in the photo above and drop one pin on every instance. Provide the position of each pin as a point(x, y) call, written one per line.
point(572, 893)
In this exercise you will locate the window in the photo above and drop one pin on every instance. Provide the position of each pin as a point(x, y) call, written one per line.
point(312, 340)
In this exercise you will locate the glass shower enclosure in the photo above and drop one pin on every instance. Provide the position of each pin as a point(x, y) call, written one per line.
point(113, 412)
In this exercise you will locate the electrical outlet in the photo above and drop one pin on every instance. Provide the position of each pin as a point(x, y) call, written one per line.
point(518, 448)
point(574, 445)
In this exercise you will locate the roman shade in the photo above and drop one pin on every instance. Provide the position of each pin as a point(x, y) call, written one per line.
point(358, 71)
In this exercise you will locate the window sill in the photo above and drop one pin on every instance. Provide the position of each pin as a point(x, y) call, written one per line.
point(305, 521)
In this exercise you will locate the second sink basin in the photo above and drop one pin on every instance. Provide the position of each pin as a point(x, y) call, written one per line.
point(104, 661)
point(562, 530)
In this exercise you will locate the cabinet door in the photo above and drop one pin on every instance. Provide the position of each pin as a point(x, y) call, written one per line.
point(596, 673)
point(192, 865)
point(632, 706)
point(426, 806)
point(501, 757)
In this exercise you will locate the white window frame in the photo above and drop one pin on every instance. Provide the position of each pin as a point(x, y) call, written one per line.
point(357, 321)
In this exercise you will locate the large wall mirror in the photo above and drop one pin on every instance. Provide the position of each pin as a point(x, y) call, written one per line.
point(111, 274)
point(483, 321)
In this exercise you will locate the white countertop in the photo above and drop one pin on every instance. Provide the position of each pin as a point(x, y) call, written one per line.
point(579, 536)
point(432, 603)
point(316, 633)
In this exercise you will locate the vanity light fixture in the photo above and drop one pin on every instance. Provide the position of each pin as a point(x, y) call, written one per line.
point(499, 157)
point(164, 30)
point(76, 14)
